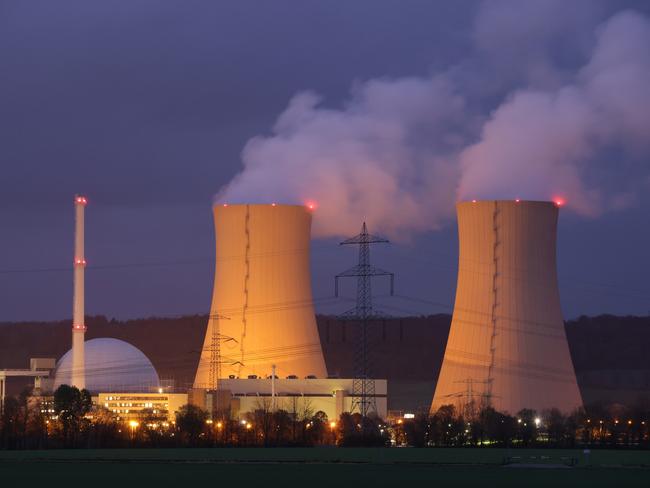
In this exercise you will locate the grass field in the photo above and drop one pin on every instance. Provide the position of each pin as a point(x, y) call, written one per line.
point(323, 467)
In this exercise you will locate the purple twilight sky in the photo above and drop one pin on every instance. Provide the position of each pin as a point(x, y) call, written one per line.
point(387, 111)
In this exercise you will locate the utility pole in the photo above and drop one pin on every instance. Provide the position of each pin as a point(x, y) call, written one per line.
point(363, 385)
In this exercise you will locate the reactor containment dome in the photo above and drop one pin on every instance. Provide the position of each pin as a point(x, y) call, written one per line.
point(111, 365)
point(507, 347)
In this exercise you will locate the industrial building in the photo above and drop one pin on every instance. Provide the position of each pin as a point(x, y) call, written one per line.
point(138, 406)
point(262, 310)
point(507, 347)
point(40, 369)
point(333, 396)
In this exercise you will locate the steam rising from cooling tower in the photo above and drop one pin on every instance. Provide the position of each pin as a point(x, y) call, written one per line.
point(262, 311)
point(399, 152)
point(78, 375)
point(507, 347)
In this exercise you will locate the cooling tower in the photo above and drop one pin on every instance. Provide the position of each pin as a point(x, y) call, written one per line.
point(507, 346)
point(262, 311)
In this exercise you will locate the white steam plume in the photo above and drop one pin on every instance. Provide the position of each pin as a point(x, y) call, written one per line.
point(400, 152)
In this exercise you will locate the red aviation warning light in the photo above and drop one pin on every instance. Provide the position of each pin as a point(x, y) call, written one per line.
point(81, 200)
point(559, 201)
point(311, 205)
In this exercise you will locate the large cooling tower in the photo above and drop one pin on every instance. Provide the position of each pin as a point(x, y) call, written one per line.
point(507, 346)
point(262, 311)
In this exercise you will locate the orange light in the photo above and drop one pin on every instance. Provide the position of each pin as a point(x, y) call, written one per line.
point(332, 425)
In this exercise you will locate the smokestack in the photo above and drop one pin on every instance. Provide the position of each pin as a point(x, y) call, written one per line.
point(262, 310)
point(507, 346)
point(78, 376)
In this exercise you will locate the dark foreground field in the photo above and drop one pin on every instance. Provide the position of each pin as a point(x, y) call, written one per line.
point(324, 467)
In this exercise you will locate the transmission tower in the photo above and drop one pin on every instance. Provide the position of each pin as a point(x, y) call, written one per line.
point(215, 350)
point(363, 387)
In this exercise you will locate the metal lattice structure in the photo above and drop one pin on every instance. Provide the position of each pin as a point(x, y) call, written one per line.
point(215, 349)
point(363, 395)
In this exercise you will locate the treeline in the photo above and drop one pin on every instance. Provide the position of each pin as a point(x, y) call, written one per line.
point(616, 426)
point(71, 421)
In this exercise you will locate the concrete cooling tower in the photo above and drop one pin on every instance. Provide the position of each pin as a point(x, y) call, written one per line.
point(507, 346)
point(262, 311)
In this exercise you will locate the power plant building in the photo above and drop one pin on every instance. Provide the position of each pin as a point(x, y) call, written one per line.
point(507, 346)
point(155, 406)
point(332, 396)
point(262, 312)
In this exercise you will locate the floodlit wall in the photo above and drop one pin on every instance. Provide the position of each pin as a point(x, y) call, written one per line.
point(332, 396)
point(262, 309)
point(507, 346)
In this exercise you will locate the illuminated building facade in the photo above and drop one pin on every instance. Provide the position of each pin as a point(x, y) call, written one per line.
point(141, 406)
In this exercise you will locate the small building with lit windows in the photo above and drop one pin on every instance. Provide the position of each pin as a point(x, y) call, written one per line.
point(136, 406)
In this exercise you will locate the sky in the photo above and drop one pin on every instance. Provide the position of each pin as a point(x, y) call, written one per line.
point(384, 111)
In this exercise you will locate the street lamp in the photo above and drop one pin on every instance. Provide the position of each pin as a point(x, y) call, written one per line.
point(134, 425)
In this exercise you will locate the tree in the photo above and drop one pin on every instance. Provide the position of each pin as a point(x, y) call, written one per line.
point(190, 421)
point(10, 422)
point(557, 427)
point(527, 426)
point(71, 405)
point(417, 430)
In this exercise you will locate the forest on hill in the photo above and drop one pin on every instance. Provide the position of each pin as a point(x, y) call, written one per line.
point(608, 351)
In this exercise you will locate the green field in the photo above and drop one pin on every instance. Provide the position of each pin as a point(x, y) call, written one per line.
point(323, 467)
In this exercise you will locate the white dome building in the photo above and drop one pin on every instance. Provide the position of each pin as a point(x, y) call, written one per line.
point(112, 365)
